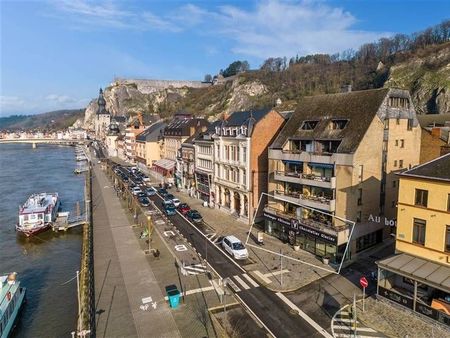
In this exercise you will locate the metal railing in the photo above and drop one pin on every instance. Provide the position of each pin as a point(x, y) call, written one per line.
point(299, 195)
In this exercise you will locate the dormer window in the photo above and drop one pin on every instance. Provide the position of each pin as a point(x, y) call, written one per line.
point(309, 125)
point(398, 102)
point(338, 124)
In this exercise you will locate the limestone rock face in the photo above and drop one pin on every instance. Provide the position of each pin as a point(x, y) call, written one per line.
point(427, 79)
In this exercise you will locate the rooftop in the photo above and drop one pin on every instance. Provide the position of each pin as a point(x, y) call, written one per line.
point(438, 169)
point(358, 108)
point(152, 133)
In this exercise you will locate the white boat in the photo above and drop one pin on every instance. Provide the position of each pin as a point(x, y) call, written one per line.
point(38, 213)
point(12, 297)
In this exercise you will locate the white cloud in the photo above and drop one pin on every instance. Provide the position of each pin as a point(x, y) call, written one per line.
point(59, 98)
point(270, 28)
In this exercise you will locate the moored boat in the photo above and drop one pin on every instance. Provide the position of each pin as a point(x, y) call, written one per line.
point(12, 296)
point(38, 213)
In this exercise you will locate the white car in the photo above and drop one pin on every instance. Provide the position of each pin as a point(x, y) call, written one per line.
point(234, 247)
point(136, 190)
point(176, 202)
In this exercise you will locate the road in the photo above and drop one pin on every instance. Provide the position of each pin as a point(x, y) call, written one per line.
point(271, 310)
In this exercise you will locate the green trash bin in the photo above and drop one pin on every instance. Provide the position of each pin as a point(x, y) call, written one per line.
point(174, 298)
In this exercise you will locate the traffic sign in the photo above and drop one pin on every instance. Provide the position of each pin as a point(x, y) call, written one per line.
point(363, 281)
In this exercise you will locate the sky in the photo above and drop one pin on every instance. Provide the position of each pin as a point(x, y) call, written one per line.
point(56, 54)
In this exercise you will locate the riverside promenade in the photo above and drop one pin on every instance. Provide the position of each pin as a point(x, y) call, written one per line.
point(123, 277)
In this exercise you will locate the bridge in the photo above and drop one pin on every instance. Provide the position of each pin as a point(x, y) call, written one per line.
point(35, 141)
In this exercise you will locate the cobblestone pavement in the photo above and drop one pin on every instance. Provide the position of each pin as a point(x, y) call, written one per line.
point(395, 321)
point(343, 325)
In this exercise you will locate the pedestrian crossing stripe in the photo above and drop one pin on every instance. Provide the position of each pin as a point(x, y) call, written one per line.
point(195, 269)
point(240, 281)
point(237, 282)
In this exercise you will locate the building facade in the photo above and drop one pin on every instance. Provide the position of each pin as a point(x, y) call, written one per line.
point(204, 165)
point(335, 161)
point(186, 165)
point(240, 150)
point(148, 145)
point(418, 277)
point(134, 128)
point(177, 131)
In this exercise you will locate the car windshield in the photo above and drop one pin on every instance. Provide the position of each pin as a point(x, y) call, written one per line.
point(196, 215)
point(238, 246)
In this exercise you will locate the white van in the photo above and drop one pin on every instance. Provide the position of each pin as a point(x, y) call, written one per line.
point(234, 247)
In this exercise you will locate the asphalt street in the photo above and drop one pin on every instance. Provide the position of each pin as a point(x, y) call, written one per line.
point(274, 313)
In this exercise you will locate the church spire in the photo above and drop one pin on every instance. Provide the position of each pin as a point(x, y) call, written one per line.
point(101, 103)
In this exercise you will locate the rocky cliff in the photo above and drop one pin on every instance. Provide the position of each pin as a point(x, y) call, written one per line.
point(428, 80)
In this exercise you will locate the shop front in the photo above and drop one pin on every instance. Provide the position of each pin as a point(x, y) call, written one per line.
point(320, 242)
point(203, 186)
point(417, 284)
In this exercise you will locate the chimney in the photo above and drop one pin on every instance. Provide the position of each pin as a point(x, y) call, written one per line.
point(346, 88)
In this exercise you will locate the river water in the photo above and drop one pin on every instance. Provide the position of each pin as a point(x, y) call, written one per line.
point(46, 262)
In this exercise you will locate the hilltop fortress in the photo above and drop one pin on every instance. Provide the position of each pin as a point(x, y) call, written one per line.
point(152, 86)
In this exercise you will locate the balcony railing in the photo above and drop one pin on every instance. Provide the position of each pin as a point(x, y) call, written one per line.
point(289, 173)
point(317, 222)
point(296, 194)
point(316, 178)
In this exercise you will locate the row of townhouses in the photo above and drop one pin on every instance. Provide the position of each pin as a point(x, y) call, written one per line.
point(325, 177)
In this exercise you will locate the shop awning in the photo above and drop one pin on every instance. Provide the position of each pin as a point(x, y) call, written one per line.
point(422, 270)
point(165, 164)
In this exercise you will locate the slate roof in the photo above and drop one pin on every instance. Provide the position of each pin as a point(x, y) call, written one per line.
point(181, 127)
point(358, 107)
point(207, 135)
point(239, 118)
point(152, 133)
point(438, 169)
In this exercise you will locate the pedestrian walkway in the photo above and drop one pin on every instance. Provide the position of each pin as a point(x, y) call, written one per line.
point(241, 282)
point(124, 279)
point(343, 325)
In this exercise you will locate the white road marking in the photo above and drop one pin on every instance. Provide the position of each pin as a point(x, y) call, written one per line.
point(232, 284)
point(362, 329)
point(263, 278)
point(251, 281)
point(180, 247)
point(191, 292)
point(311, 322)
point(275, 273)
point(146, 300)
point(240, 281)
point(168, 233)
point(194, 268)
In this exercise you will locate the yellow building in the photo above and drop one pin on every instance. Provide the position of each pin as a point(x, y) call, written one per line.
point(418, 277)
point(148, 145)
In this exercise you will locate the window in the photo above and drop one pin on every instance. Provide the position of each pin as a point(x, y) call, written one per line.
point(421, 197)
point(410, 124)
point(447, 238)
point(395, 163)
point(360, 175)
point(244, 177)
point(244, 154)
point(419, 228)
point(448, 202)
point(359, 196)
point(338, 124)
point(309, 125)
point(396, 143)
point(402, 143)
point(394, 184)
point(400, 163)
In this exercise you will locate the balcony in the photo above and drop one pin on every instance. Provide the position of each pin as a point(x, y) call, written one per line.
point(306, 179)
point(304, 156)
point(311, 201)
point(319, 223)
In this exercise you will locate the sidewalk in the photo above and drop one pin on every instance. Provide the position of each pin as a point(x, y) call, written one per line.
point(123, 276)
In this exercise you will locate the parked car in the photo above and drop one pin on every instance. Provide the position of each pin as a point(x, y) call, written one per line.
point(135, 191)
point(234, 247)
point(195, 216)
point(141, 194)
point(183, 208)
point(150, 191)
point(176, 202)
point(169, 209)
point(163, 192)
point(144, 201)
point(169, 197)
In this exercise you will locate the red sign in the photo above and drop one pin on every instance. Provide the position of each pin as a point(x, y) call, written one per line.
point(363, 281)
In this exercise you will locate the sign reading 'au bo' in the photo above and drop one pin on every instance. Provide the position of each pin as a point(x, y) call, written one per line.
point(378, 219)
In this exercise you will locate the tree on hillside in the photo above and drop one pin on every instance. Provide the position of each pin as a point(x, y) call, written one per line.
point(235, 68)
point(208, 78)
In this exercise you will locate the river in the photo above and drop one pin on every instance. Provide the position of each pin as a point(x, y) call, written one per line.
point(47, 262)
